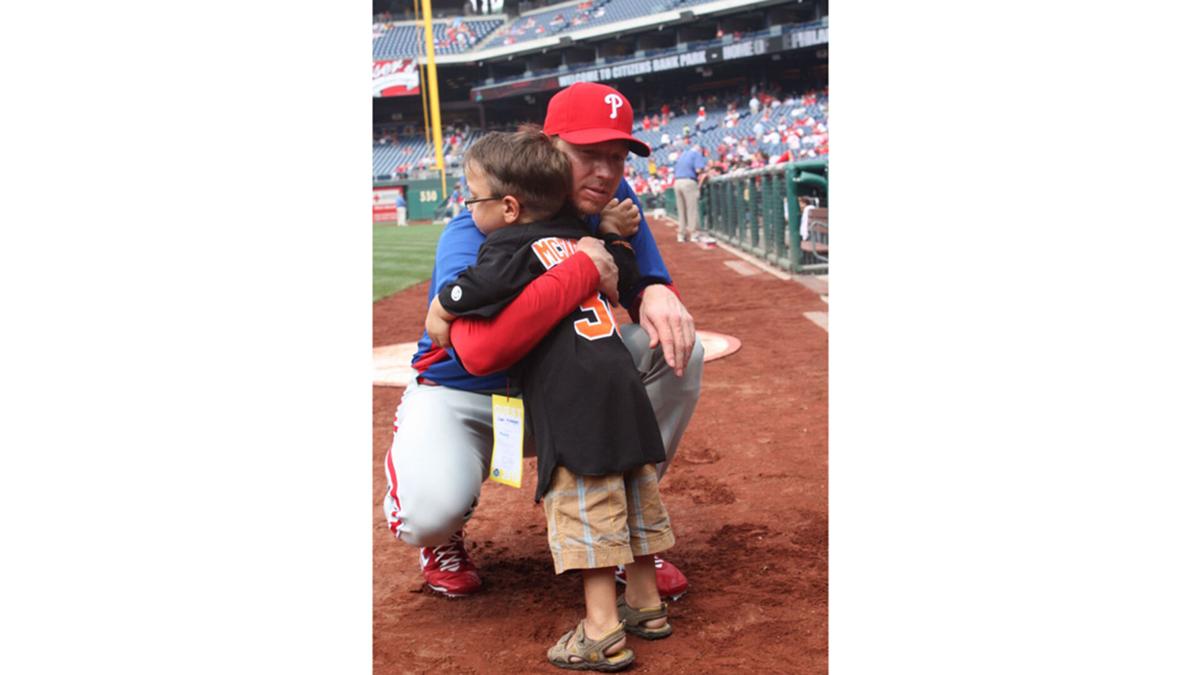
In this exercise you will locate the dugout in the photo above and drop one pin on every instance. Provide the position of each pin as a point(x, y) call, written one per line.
point(759, 212)
point(424, 195)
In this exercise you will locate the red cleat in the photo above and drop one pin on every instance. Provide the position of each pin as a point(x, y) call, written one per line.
point(670, 581)
point(448, 569)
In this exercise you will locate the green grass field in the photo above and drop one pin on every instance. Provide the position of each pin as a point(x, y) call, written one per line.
point(403, 256)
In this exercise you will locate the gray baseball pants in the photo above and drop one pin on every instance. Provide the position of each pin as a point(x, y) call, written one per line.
point(687, 203)
point(442, 446)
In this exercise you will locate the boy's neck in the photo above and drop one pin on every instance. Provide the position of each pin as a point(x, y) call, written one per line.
point(525, 219)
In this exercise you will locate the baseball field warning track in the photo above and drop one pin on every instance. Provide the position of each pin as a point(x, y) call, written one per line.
point(747, 495)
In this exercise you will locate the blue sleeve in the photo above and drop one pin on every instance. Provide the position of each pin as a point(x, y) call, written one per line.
point(650, 263)
point(457, 249)
point(698, 163)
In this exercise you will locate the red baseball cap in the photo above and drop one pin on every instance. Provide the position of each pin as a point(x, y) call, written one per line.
point(586, 113)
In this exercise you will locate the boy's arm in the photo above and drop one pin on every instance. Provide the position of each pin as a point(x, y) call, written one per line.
point(658, 307)
point(437, 323)
point(498, 275)
point(485, 346)
point(626, 261)
point(650, 263)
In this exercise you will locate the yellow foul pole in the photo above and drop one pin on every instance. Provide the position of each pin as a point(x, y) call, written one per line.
point(435, 107)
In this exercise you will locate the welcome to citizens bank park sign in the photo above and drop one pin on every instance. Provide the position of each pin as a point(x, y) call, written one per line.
point(796, 39)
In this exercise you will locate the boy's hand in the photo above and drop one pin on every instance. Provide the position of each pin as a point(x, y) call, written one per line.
point(437, 324)
point(622, 219)
point(602, 259)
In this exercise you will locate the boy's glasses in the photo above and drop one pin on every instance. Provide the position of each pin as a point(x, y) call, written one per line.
point(469, 202)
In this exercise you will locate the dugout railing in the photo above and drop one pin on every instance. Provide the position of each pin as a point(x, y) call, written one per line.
point(759, 211)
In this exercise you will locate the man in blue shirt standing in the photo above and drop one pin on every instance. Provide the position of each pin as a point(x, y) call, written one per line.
point(689, 176)
point(401, 208)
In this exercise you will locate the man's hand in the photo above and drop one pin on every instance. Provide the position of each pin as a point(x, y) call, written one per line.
point(437, 324)
point(594, 248)
point(666, 320)
point(621, 219)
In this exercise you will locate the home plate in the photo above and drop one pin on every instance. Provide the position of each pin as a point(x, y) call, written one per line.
point(819, 318)
point(392, 364)
point(717, 345)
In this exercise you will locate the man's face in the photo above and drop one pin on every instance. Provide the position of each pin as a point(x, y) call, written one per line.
point(596, 172)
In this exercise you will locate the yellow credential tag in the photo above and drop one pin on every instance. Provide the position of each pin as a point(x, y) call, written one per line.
point(508, 432)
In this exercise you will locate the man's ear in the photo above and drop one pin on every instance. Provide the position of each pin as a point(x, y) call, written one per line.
point(512, 209)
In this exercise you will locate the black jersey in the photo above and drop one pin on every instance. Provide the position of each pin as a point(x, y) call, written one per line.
point(583, 395)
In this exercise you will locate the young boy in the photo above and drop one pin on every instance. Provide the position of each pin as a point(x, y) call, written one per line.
point(596, 475)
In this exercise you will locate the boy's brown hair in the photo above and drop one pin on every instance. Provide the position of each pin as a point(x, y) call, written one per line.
point(526, 165)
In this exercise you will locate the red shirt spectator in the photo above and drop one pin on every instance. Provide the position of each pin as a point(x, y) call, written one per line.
point(640, 186)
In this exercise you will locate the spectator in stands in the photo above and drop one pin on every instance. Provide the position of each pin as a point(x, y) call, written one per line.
point(640, 185)
point(442, 440)
point(743, 150)
point(666, 112)
point(793, 142)
point(754, 105)
point(689, 176)
point(701, 115)
point(731, 116)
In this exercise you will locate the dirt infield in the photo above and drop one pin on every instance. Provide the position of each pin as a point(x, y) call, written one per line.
point(747, 497)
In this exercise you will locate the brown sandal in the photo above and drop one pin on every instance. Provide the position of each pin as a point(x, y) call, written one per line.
point(634, 618)
point(575, 643)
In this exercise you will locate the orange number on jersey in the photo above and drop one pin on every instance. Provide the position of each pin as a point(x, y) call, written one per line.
point(602, 326)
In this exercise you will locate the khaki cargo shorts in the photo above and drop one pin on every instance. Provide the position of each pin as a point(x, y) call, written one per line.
point(604, 521)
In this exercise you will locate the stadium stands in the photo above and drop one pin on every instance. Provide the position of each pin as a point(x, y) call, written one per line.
point(416, 155)
point(406, 40)
point(586, 14)
point(789, 110)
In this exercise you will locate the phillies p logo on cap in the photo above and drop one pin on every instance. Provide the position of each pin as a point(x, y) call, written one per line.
point(586, 113)
point(615, 101)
